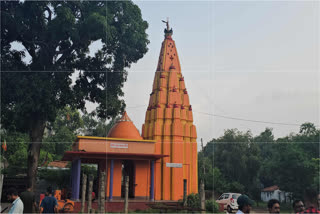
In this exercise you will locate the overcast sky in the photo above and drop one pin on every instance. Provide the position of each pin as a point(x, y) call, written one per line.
point(251, 60)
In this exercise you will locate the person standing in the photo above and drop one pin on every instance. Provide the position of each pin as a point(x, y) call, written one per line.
point(49, 204)
point(310, 200)
point(29, 202)
point(17, 204)
point(245, 204)
point(318, 201)
point(298, 206)
point(274, 206)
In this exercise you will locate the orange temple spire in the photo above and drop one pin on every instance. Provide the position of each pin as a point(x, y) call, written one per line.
point(169, 121)
point(168, 54)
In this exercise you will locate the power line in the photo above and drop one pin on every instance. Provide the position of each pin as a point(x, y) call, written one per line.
point(248, 120)
point(236, 118)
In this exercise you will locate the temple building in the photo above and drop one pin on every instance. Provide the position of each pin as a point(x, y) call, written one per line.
point(161, 160)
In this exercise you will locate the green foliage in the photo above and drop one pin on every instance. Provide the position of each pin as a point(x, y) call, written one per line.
point(235, 186)
point(238, 159)
point(62, 132)
point(245, 164)
point(193, 200)
point(212, 206)
point(292, 168)
point(205, 171)
point(19, 158)
point(89, 170)
point(265, 137)
point(96, 127)
point(56, 176)
point(308, 129)
point(45, 158)
point(56, 35)
point(16, 154)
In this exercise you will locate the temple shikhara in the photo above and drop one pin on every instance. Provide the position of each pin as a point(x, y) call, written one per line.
point(160, 160)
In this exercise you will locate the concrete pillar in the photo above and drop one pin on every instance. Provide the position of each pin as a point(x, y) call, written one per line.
point(111, 180)
point(76, 170)
point(126, 196)
point(202, 197)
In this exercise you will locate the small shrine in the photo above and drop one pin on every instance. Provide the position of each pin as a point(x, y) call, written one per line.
point(123, 153)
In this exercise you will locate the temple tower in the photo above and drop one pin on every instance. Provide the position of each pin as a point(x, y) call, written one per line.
point(169, 121)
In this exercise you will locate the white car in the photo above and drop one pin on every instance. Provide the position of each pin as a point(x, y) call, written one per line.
point(229, 201)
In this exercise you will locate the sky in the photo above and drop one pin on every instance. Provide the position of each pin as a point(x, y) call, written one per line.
point(253, 60)
point(247, 60)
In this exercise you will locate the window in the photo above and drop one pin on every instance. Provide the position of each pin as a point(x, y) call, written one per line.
point(234, 196)
point(221, 197)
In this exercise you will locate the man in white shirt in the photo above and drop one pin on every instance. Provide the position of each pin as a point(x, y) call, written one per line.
point(17, 204)
point(244, 204)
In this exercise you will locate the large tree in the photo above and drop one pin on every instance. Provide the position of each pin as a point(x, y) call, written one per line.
point(62, 132)
point(56, 36)
point(236, 159)
point(99, 127)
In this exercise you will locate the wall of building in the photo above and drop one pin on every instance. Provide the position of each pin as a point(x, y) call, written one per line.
point(142, 188)
point(109, 145)
point(142, 178)
point(277, 194)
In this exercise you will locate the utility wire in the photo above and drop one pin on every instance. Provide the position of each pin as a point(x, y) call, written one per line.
point(248, 120)
point(236, 118)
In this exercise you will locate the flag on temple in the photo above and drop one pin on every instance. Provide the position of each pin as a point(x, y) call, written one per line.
point(4, 145)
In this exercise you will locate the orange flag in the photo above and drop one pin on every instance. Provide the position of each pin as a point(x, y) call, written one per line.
point(4, 145)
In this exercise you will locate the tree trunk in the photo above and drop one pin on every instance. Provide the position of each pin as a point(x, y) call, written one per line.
point(36, 135)
point(84, 189)
point(90, 193)
point(103, 192)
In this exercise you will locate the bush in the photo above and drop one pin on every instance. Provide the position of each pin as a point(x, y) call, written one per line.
point(89, 170)
point(55, 176)
point(212, 206)
point(193, 200)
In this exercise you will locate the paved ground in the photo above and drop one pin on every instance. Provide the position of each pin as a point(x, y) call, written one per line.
point(4, 205)
point(253, 211)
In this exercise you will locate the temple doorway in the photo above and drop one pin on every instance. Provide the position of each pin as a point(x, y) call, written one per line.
point(128, 169)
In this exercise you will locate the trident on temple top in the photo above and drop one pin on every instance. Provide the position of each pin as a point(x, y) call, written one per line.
point(167, 23)
point(167, 32)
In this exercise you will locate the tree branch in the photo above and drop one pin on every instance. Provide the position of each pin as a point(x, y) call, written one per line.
point(65, 53)
point(29, 48)
point(50, 13)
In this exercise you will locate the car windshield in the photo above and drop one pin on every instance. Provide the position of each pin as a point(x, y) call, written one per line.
point(221, 197)
point(234, 196)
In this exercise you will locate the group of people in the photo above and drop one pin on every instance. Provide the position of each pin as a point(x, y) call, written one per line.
point(311, 204)
point(26, 203)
